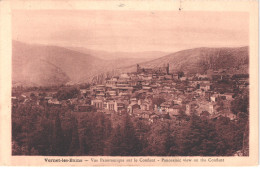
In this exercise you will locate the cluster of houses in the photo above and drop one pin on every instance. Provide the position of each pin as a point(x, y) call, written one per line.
point(153, 94)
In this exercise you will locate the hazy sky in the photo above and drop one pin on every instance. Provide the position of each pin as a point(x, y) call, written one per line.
point(132, 31)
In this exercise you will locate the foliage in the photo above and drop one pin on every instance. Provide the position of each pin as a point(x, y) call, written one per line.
point(158, 101)
point(67, 93)
point(241, 103)
point(38, 130)
point(180, 74)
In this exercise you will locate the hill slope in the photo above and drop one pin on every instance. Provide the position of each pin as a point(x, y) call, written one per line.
point(36, 65)
point(29, 68)
point(201, 59)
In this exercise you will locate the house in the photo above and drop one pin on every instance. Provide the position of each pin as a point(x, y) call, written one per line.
point(83, 91)
point(111, 93)
point(187, 111)
point(208, 94)
point(98, 90)
point(100, 94)
point(200, 92)
point(147, 77)
point(111, 82)
point(157, 70)
point(145, 115)
point(206, 106)
point(133, 100)
point(146, 88)
point(47, 98)
point(165, 106)
point(132, 107)
point(205, 86)
point(211, 108)
point(120, 106)
point(178, 101)
point(174, 111)
point(229, 96)
point(229, 114)
point(213, 99)
point(202, 76)
point(124, 90)
point(124, 76)
point(183, 78)
point(132, 83)
point(145, 106)
point(98, 103)
point(54, 102)
point(112, 105)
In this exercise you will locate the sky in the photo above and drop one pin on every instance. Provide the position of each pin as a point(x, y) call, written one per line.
point(131, 31)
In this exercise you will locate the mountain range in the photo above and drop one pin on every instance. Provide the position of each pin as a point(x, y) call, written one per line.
point(144, 56)
point(44, 65)
point(200, 60)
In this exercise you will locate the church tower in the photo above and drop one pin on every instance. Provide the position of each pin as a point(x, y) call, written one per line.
point(168, 69)
point(138, 68)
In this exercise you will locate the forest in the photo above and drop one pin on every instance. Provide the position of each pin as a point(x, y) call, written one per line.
point(56, 131)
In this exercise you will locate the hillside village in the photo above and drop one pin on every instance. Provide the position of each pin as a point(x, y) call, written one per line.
point(143, 102)
point(153, 93)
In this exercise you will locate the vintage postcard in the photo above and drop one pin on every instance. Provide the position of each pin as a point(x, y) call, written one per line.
point(129, 83)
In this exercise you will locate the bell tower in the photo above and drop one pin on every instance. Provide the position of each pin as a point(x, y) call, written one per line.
point(138, 68)
point(168, 69)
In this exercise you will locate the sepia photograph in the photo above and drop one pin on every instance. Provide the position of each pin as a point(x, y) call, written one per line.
point(130, 86)
point(123, 83)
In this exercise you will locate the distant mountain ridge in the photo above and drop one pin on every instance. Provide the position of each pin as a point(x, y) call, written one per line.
point(199, 60)
point(144, 56)
point(42, 65)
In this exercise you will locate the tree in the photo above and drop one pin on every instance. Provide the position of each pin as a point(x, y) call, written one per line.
point(97, 145)
point(158, 140)
point(32, 95)
point(158, 101)
point(74, 145)
point(57, 138)
point(67, 93)
point(116, 143)
point(199, 138)
point(180, 74)
point(131, 140)
point(246, 141)
point(124, 141)
point(240, 104)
